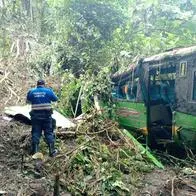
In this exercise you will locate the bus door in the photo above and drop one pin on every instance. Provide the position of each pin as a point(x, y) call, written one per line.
point(161, 98)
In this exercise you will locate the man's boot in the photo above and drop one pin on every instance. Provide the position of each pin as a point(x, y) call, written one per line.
point(35, 148)
point(52, 151)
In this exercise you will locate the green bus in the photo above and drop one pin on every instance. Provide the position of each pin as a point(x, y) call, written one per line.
point(158, 97)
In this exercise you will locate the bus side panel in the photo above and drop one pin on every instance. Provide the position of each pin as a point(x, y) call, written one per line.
point(187, 129)
point(131, 114)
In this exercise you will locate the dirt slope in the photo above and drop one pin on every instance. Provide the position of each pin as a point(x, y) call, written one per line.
point(12, 178)
point(168, 182)
point(15, 79)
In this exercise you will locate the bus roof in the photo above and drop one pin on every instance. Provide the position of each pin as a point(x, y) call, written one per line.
point(172, 53)
point(158, 57)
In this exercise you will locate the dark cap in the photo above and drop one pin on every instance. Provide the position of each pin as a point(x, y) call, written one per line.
point(40, 82)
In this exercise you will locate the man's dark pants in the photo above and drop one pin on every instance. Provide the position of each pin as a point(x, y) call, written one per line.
point(42, 121)
point(42, 124)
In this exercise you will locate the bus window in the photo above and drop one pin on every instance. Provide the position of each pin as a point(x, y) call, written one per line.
point(118, 92)
point(126, 88)
point(129, 90)
point(115, 92)
point(194, 86)
point(162, 86)
point(125, 91)
point(121, 92)
point(132, 91)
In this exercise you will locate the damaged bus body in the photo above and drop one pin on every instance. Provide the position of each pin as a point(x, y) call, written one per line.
point(158, 97)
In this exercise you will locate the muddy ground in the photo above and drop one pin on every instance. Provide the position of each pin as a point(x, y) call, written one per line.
point(14, 179)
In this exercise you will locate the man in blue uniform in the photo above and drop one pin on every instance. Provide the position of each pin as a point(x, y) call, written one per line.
point(41, 111)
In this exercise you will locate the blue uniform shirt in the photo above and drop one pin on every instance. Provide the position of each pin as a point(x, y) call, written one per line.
point(41, 97)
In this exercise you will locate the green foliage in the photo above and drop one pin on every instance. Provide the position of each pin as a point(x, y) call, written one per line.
point(100, 161)
point(89, 84)
point(69, 94)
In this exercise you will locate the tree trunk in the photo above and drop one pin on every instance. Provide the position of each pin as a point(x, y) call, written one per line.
point(2, 3)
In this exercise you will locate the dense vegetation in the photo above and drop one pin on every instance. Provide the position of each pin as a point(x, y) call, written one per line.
point(87, 40)
point(76, 45)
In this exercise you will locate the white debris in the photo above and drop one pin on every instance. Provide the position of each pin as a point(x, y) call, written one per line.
point(3, 192)
point(6, 118)
point(61, 121)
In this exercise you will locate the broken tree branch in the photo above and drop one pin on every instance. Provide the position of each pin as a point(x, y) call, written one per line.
point(5, 77)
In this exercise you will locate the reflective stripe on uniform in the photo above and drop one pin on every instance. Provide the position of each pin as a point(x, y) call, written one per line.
point(43, 106)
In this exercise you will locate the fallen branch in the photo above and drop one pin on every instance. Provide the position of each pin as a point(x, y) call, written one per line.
point(56, 186)
point(188, 184)
point(20, 192)
point(10, 97)
point(75, 149)
point(18, 98)
point(5, 77)
point(172, 187)
point(62, 133)
point(110, 138)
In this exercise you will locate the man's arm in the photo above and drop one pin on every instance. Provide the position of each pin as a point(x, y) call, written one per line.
point(53, 97)
point(28, 98)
